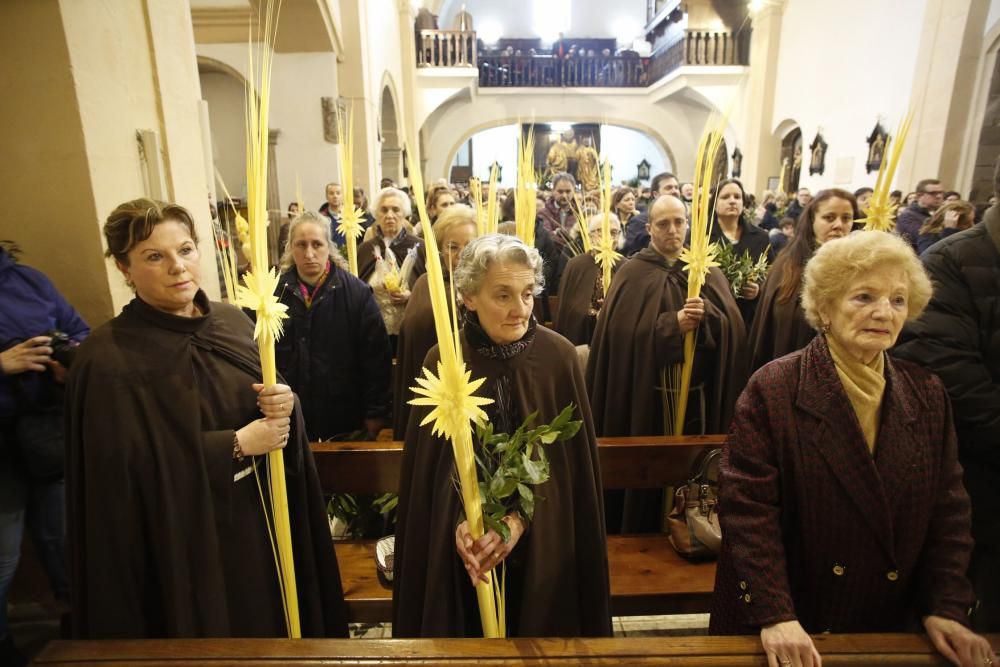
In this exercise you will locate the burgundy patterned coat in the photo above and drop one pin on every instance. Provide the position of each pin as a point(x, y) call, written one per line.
point(817, 530)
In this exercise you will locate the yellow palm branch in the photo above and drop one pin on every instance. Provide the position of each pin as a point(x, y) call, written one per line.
point(476, 192)
point(880, 215)
point(699, 256)
point(606, 253)
point(350, 218)
point(257, 292)
point(451, 395)
point(492, 206)
point(526, 193)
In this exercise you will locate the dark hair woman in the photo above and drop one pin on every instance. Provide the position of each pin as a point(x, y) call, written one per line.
point(168, 426)
point(779, 326)
point(730, 225)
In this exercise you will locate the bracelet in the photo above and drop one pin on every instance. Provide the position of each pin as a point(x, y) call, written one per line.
point(237, 450)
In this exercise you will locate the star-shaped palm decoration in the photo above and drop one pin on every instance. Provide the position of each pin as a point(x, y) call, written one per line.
point(879, 216)
point(698, 260)
point(350, 223)
point(452, 396)
point(257, 293)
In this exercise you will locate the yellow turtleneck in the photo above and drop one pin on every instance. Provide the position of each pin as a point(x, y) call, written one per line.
point(864, 385)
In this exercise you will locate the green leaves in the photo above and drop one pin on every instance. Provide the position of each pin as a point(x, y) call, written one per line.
point(739, 270)
point(510, 465)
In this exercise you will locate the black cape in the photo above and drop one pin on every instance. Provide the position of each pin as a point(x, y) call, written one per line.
point(167, 534)
point(779, 327)
point(557, 576)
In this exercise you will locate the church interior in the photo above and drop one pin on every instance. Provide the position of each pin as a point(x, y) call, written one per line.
point(493, 105)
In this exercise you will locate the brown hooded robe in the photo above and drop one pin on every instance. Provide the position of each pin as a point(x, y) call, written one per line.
point(167, 533)
point(557, 576)
point(779, 328)
point(576, 295)
point(637, 336)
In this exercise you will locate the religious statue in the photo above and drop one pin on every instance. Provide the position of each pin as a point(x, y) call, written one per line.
point(586, 166)
point(560, 154)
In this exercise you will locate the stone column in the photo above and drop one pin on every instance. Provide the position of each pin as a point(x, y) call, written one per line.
point(406, 114)
point(80, 80)
point(760, 147)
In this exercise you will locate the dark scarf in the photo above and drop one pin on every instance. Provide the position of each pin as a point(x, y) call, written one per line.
point(484, 345)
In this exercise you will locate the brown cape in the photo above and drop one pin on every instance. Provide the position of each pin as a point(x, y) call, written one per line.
point(163, 541)
point(557, 577)
point(778, 328)
point(416, 337)
point(638, 335)
point(576, 291)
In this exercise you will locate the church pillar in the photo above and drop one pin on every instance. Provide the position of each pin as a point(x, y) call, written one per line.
point(943, 83)
point(408, 55)
point(83, 82)
point(760, 148)
point(355, 86)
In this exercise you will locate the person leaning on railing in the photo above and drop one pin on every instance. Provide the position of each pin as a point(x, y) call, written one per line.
point(841, 497)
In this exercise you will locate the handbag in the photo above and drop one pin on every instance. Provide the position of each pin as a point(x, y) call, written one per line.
point(693, 523)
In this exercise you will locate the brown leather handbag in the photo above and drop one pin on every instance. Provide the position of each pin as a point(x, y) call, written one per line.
point(693, 522)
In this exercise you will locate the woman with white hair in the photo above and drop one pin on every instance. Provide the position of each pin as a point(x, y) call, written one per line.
point(556, 573)
point(841, 496)
point(386, 254)
point(581, 294)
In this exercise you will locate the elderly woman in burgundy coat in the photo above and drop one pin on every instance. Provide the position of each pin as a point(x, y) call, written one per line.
point(841, 496)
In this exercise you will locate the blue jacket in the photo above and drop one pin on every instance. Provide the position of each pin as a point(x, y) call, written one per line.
point(30, 306)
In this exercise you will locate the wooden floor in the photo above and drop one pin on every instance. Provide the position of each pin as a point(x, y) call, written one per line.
point(836, 650)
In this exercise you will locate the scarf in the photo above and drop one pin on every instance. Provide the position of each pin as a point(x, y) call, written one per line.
point(864, 385)
point(480, 341)
point(308, 294)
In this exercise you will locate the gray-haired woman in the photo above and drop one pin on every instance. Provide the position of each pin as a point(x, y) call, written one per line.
point(557, 574)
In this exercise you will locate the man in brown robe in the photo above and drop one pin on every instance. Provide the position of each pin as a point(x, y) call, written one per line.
point(640, 333)
point(581, 294)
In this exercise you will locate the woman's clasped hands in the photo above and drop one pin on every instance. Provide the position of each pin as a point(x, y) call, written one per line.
point(482, 555)
point(272, 431)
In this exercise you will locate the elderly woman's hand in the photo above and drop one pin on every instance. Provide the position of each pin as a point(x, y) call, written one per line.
point(787, 644)
point(750, 291)
point(275, 401)
point(399, 298)
point(690, 315)
point(264, 435)
point(482, 555)
point(957, 643)
point(31, 355)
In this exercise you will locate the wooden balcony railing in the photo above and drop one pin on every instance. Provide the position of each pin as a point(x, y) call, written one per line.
point(457, 48)
point(446, 48)
point(552, 72)
point(702, 48)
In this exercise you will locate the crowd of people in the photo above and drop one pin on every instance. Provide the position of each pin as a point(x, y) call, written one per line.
point(858, 483)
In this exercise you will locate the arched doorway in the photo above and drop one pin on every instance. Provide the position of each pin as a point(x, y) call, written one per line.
point(224, 91)
point(791, 161)
point(392, 153)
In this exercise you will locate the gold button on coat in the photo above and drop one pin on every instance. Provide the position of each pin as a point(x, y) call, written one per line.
point(743, 585)
point(838, 570)
point(746, 598)
point(892, 575)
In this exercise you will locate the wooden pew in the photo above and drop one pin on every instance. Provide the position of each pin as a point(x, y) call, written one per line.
point(836, 650)
point(647, 575)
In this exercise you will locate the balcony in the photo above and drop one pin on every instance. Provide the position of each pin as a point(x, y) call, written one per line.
point(454, 48)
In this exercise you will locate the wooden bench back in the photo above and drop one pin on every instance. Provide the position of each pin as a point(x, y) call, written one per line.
point(717, 651)
point(645, 462)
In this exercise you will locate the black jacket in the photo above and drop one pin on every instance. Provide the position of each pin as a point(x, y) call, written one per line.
point(335, 355)
point(958, 338)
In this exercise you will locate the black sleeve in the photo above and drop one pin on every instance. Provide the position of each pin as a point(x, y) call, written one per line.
point(375, 357)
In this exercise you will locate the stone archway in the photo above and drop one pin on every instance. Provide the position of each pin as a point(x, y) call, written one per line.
point(392, 152)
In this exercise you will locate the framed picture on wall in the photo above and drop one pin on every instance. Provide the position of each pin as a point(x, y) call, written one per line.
point(877, 141)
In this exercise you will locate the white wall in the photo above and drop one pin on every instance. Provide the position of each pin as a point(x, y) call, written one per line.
point(625, 148)
point(225, 96)
point(298, 81)
point(993, 17)
point(496, 144)
point(588, 18)
point(840, 73)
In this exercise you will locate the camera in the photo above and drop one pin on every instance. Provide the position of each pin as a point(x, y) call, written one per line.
point(63, 347)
